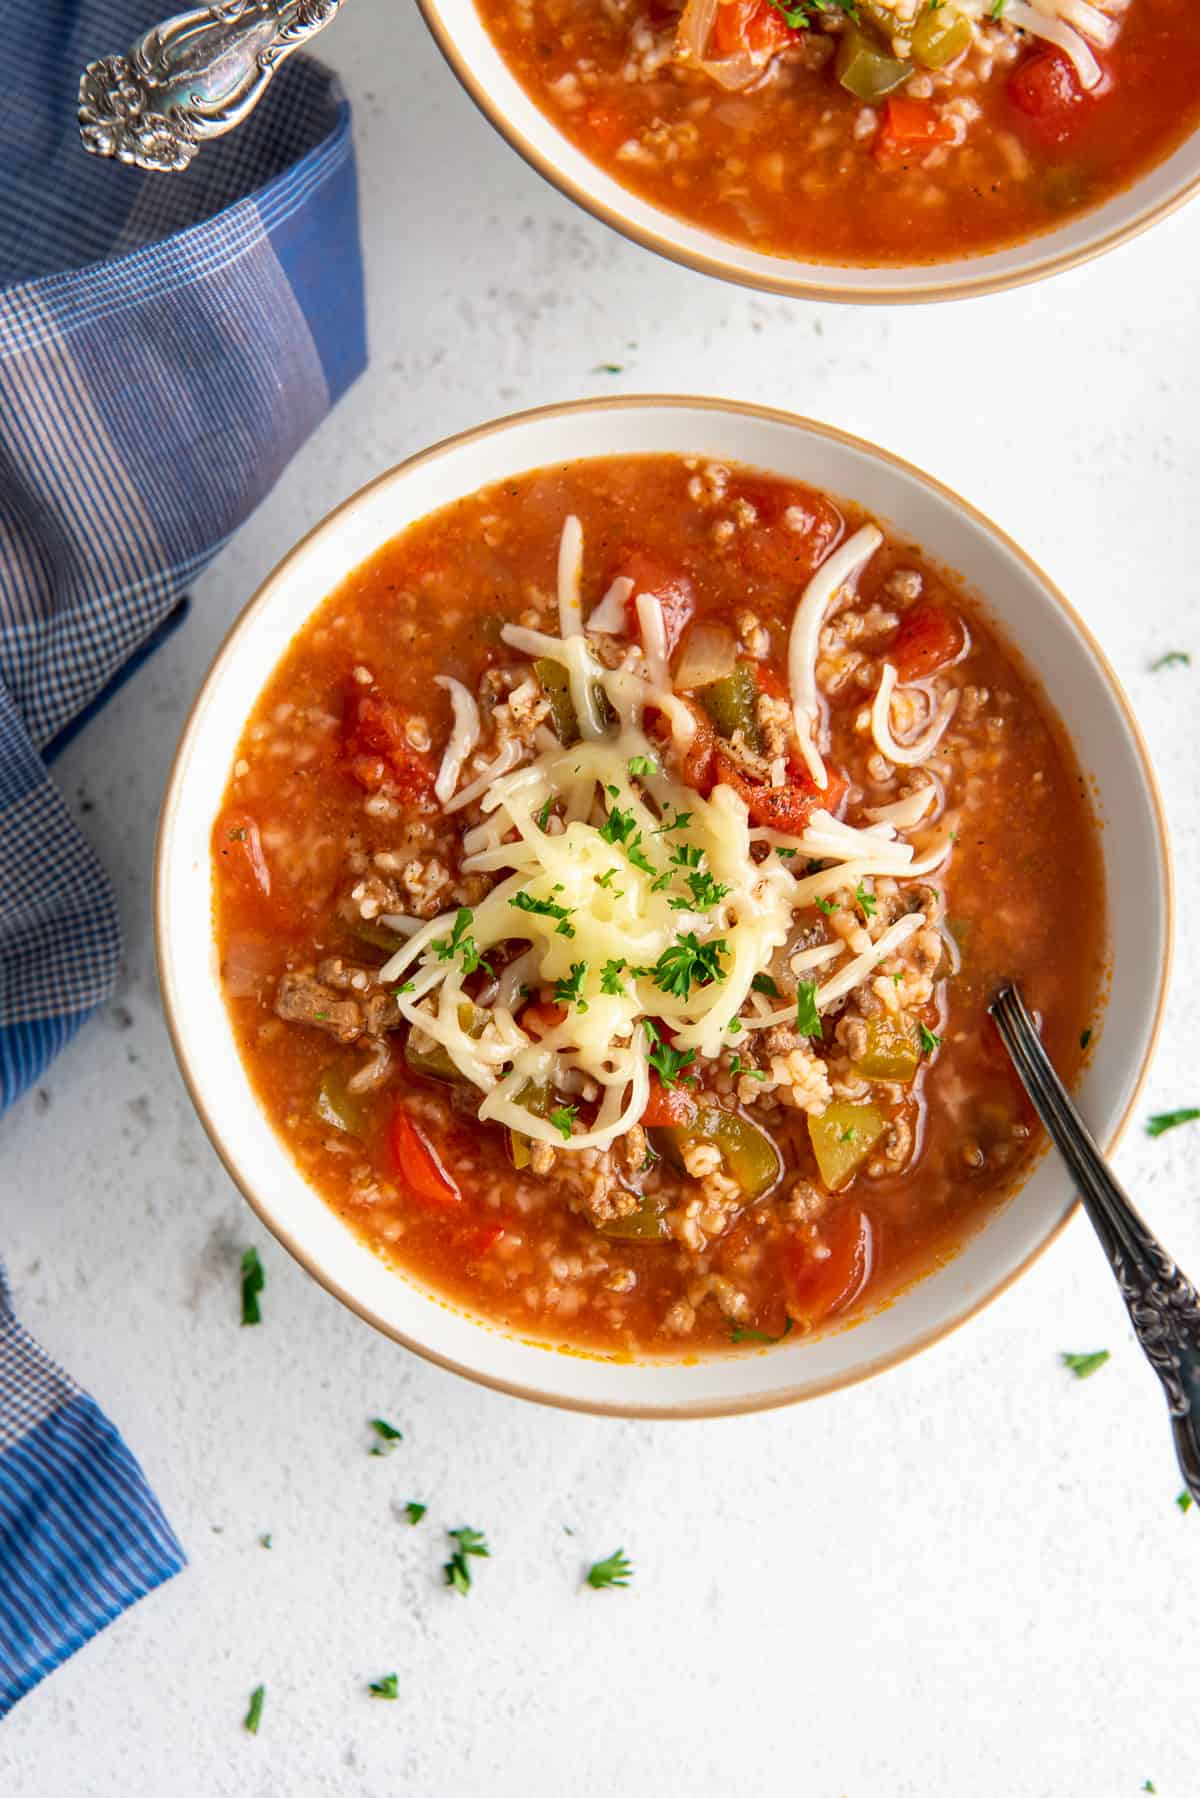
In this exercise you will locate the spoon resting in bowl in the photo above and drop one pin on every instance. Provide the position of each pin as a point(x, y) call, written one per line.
point(1162, 1303)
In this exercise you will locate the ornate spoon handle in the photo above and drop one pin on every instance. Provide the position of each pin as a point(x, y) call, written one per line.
point(192, 77)
point(1162, 1302)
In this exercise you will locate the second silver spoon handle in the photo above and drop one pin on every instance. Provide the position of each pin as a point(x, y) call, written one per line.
point(1162, 1303)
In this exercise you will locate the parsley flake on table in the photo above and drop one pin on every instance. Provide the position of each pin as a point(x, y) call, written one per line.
point(387, 1687)
point(1174, 658)
point(615, 1571)
point(254, 1714)
point(808, 1018)
point(1184, 1500)
point(1167, 1120)
point(253, 1281)
point(563, 1117)
point(929, 1039)
point(265, 1541)
point(1083, 1365)
point(545, 908)
point(414, 1511)
point(457, 1571)
point(1085, 1037)
point(460, 943)
point(388, 1436)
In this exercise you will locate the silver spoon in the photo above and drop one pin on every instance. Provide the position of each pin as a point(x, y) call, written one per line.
point(1162, 1302)
point(193, 77)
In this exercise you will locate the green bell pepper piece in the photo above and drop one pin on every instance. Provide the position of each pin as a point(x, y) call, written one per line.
point(534, 1097)
point(893, 1050)
point(941, 34)
point(732, 704)
point(434, 1060)
point(556, 684)
point(865, 69)
point(842, 1138)
point(335, 1104)
point(646, 1224)
point(748, 1152)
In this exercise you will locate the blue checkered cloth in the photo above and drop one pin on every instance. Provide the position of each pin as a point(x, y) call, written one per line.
point(166, 343)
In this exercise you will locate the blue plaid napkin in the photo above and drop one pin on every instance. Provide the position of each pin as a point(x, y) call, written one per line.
point(166, 343)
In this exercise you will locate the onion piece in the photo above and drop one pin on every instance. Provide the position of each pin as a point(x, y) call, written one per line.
point(906, 755)
point(694, 30)
point(400, 923)
point(611, 615)
point(835, 572)
point(463, 736)
point(1089, 21)
point(708, 653)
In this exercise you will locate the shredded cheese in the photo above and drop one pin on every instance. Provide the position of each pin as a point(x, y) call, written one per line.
point(906, 755)
point(464, 735)
point(610, 615)
point(570, 578)
point(834, 573)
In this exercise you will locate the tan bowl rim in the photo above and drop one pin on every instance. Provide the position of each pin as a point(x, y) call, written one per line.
point(909, 293)
point(164, 953)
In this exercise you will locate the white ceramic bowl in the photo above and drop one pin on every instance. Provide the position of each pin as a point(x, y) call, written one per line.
point(1080, 684)
point(474, 58)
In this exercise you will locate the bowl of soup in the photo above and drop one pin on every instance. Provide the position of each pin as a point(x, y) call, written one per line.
point(583, 879)
point(886, 151)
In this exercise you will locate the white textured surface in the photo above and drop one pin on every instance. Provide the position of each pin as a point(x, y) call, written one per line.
point(967, 1578)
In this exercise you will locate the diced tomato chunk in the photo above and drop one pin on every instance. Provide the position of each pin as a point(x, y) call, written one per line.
point(819, 1288)
point(668, 1105)
point(416, 1161)
point(695, 766)
point(1046, 89)
point(929, 636)
point(786, 808)
point(239, 843)
point(377, 749)
point(670, 586)
point(750, 25)
point(477, 1240)
point(911, 127)
point(606, 126)
point(542, 1016)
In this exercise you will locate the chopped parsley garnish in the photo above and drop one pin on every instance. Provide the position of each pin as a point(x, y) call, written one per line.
point(648, 1160)
point(253, 1281)
point(687, 963)
point(460, 943)
point(545, 908)
point(867, 901)
point(570, 991)
point(618, 827)
point(668, 1063)
point(456, 1570)
point(706, 892)
point(606, 880)
point(1185, 1502)
point(637, 855)
point(808, 1018)
point(641, 765)
point(738, 1066)
point(1083, 1365)
point(787, 854)
point(929, 1040)
point(563, 1117)
point(687, 855)
point(319, 1017)
point(388, 1436)
point(996, 9)
point(414, 1512)
point(615, 1571)
point(610, 978)
point(848, 1134)
point(1167, 1120)
point(400, 991)
point(828, 906)
point(734, 1026)
point(762, 983)
point(738, 1334)
point(544, 814)
point(1085, 1037)
point(387, 1687)
point(238, 835)
point(680, 821)
point(1174, 658)
point(254, 1714)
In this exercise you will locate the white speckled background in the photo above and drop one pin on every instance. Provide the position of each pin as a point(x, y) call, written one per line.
point(967, 1580)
